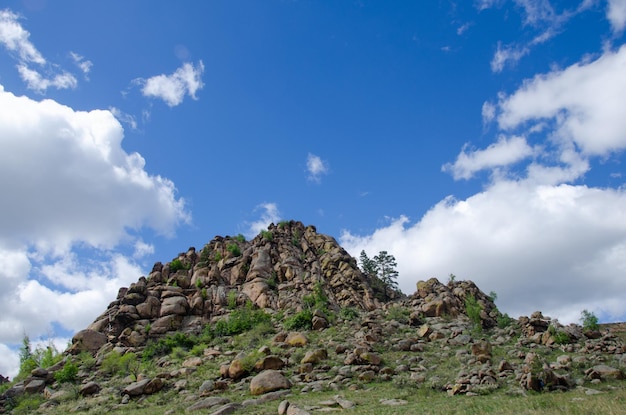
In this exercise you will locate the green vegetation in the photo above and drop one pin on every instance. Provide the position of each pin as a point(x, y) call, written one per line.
point(299, 321)
point(231, 300)
point(177, 265)
point(68, 374)
point(233, 249)
point(504, 320)
point(399, 314)
point(165, 345)
point(267, 235)
point(473, 310)
point(349, 313)
point(381, 273)
point(241, 320)
point(116, 364)
point(589, 320)
point(240, 238)
point(40, 357)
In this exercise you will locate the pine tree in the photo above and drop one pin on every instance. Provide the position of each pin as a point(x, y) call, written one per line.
point(386, 270)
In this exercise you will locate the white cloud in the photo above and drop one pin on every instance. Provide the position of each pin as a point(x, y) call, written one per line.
point(536, 11)
point(127, 119)
point(487, 4)
point(541, 241)
point(71, 184)
point(585, 101)
point(35, 81)
point(488, 112)
point(63, 168)
point(508, 55)
point(83, 65)
point(558, 249)
point(504, 152)
point(541, 23)
point(269, 214)
point(316, 168)
point(16, 39)
point(616, 13)
point(172, 88)
point(9, 362)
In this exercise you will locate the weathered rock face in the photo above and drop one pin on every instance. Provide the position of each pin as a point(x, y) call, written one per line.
point(434, 299)
point(274, 270)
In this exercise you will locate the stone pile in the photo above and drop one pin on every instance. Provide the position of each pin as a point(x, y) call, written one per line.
point(275, 270)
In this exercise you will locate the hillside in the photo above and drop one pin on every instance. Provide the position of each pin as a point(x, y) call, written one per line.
point(288, 323)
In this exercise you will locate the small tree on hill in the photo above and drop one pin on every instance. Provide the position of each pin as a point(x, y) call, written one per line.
point(386, 270)
point(381, 273)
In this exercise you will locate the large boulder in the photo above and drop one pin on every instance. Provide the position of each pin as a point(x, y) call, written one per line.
point(87, 341)
point(268, 381)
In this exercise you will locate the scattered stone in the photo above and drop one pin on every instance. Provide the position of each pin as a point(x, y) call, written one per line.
point(227, 409)
point(208, 403)
point(268, 381)
point(296, 339)
point(89, 388)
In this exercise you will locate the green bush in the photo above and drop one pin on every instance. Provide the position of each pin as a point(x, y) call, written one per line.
point(240, 321)
point(231, 300)
point(233, 249)
point(177, 264)
point(504, 320)
point(473, 310)
point(299, 321)
point(399, 314)
point(67, 374)
point(86, 361)
point(267, 235)
point(348, 313)
point(589, 320)
point(240, 238)
point(122, 365)
point(165, 345)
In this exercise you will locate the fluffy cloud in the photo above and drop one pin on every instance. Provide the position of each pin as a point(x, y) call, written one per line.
point(616, 13)
point(172, 88)
point(541, 241)
point(63, 168)
point(69, 185)
point(504, 152)
point(316, 168)
point(585, 101)
point(269, 214)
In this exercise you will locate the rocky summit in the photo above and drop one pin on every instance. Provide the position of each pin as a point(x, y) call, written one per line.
point(287, 322)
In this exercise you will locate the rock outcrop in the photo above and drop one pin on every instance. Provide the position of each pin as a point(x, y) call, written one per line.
point(275, 270)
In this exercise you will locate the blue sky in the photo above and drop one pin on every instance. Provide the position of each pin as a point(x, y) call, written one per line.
point(483, 139)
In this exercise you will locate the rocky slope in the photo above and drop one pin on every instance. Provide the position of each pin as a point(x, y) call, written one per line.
point(221, 331)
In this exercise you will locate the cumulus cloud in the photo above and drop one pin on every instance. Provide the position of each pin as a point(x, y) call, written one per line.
point(70, 185)
point(538, 247)
point(316, 168)
point(186, 80)
point(541, 240)
point(269, 214)
point(584, 101)
point(616, 13)
point(504, 152)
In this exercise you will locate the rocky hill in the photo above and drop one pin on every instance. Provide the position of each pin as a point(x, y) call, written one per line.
point(241, 323)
